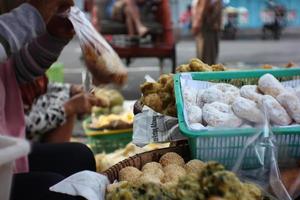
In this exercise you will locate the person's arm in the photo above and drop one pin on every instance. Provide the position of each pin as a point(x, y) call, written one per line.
point(44, 117)
point(198, 15)
point(36, 57)
point(19, 27)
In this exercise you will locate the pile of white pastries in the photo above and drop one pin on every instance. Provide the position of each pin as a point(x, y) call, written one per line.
point(224, 105)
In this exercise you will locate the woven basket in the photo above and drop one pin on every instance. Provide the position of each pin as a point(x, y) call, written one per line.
point(140, 160)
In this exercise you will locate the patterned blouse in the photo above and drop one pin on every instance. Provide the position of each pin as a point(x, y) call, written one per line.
point(47, 113)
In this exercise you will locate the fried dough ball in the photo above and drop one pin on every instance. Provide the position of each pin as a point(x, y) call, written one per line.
point(149, 88)
point(148, 178)
point(172, 173)
point(215, 198)
point(197, 65)
point(154, 102)
point(130, 174)
point(152, 166)
point(114, 186)
point(171, 158)
point(252, 190)
point(154, 169)
point(183, 68)
point(165, 78)
point(218, 67)
point(194, 166)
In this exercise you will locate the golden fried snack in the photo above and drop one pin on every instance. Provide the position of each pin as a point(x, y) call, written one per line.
point(172, 173)
point(183, 68)
point(152, 166)
point(154, 102)
point(194, 166)
point(105, 67)
point(197, 65)
point(148, 178)
point(149, 88)
point(216, 198)
point(153, 169)
point(130, 174)
point(114, 186)
point(171, 158)
point(218, 67)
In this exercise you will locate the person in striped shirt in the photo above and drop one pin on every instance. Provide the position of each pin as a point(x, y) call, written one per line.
point(32, 37)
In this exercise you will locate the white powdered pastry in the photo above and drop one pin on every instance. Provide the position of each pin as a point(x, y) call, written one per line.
point(246, 125)
point(190, 95)
point(194, 114)
point(297, 91)
point(197, 126)
point(199, 101)
point(291, 103)
point(230, 92)
point(276, 113)
point(269, 85)
point(248, 110)
point(218, 114)
point(251, 92)
point(211, 95)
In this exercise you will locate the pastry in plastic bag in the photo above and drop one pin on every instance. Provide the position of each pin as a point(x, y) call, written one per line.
point(101, 60)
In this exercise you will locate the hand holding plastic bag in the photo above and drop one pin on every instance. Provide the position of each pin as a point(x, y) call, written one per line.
point(101, 60)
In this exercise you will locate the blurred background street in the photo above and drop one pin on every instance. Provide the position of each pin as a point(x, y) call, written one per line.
point(249, 52)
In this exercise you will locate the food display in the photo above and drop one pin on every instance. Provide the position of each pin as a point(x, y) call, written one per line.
point(171, 179)
point(224, 105)
point(115, 116)
point(160, 95)
point(105, 161)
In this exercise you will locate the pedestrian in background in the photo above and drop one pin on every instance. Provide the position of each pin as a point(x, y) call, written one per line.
point(206, 27)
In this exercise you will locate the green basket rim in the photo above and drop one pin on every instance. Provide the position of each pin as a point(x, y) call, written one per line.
point(206, 76)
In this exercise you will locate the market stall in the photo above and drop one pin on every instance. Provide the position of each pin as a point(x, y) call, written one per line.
point(233, 134)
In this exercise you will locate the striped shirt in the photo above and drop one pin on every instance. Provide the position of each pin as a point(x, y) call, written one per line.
point(26, 51)
point(23, 36)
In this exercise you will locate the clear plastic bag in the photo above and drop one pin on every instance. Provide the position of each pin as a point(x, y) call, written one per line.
point(266, 174)
point(101, 60)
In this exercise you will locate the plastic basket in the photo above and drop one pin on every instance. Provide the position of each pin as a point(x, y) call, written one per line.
point(106, 140)
point(225, 145)
point(10, 150)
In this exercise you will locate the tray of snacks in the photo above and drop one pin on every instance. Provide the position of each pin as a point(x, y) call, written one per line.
point(109, 128)
point(170, 174)
point(218, 112)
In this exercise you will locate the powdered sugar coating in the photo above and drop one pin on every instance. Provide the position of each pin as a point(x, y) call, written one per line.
point(248, 110)
point(218, 114)
point(251, 92)
point(291, 103)
point(269, 85)
point(276, 113)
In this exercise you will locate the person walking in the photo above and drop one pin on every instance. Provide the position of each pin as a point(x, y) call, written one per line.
point(206, 27)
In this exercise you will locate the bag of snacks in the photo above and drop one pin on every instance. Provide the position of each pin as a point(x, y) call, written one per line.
point(101, 60)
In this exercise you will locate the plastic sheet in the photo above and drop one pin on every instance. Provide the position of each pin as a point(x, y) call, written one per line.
point(267, 173)
point(101, 60)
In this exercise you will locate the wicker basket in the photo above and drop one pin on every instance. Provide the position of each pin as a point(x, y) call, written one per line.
point(140, 160)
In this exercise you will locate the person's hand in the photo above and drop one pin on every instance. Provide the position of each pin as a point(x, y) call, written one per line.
point(60, 27)
point(76, 89)
point(82, 104)
point(48, 8)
